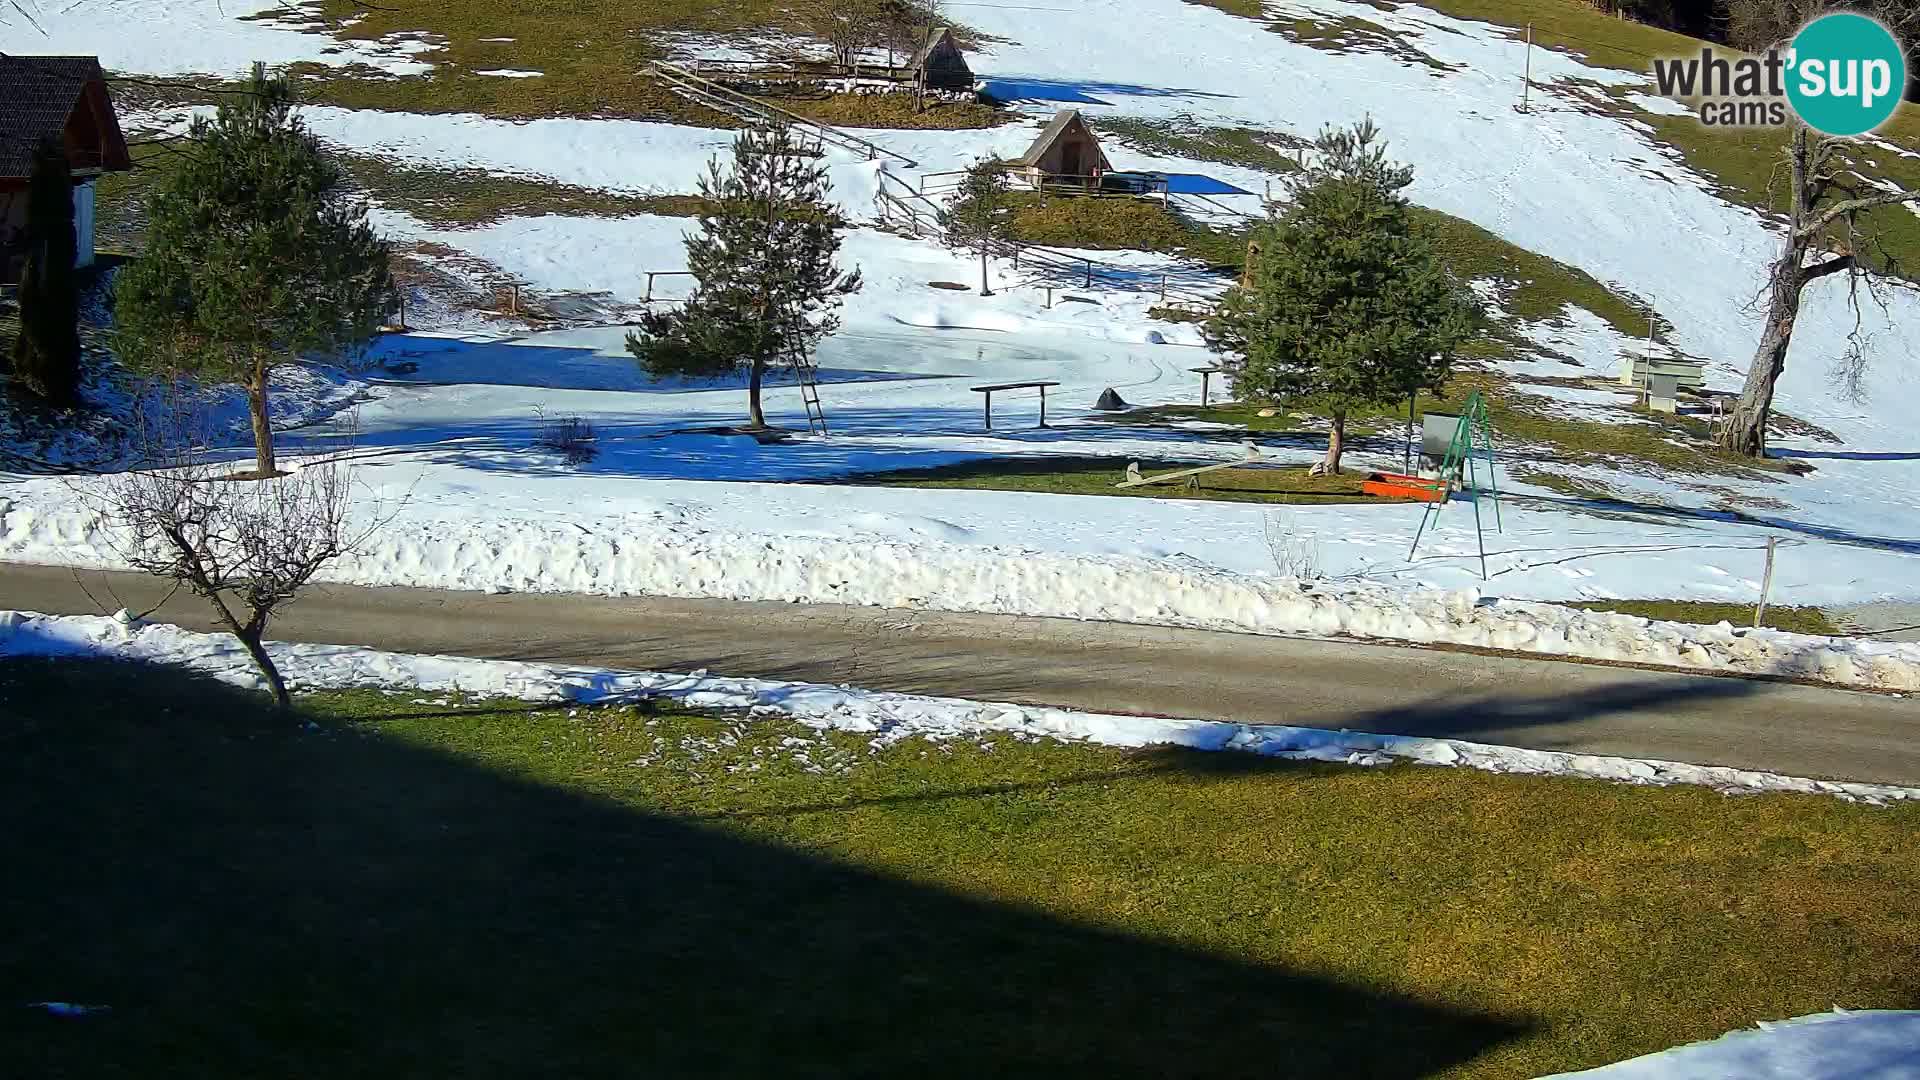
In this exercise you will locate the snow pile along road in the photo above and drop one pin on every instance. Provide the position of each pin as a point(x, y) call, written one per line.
point(1840, 1045)
point(886, 717)
point(639, 556)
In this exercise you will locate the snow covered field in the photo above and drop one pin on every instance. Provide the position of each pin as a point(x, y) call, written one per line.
point(887, 717)
point(1840, 1045)
point(671, 510)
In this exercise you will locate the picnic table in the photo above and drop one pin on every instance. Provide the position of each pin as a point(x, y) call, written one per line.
point(1206, 375)
point(987, 408)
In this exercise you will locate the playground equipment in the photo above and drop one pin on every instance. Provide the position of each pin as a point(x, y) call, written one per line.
point(1470, 440)
point(1191, 476)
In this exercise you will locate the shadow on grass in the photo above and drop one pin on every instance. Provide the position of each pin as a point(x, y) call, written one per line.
point(253, 900)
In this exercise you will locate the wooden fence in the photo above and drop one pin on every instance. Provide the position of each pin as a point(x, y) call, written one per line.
point(734, 103)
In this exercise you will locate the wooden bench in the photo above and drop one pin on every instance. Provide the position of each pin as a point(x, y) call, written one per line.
point(987, 409)
point(1687, 374)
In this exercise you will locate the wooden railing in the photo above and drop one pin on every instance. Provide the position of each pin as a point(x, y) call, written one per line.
point(725, 99)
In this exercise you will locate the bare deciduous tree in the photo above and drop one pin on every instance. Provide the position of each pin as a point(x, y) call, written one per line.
point(1826, 233)
point(848, 27)
point(248, 548)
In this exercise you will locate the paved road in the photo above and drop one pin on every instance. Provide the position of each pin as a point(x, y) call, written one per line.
point(1102, 666)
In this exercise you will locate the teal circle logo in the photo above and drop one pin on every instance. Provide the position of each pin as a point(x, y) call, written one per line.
point(1846, 75)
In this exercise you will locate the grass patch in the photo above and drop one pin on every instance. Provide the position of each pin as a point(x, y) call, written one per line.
point(1177, 314)
point(1533, 286)
point(1097, 476)
point(1741, 162)
point(468, 197)
point(1188, 137)
point(1120, 223)
point(892, 110)
point(120, 199)
point(1665, 446)
point(416, 887)
point(1236, 415)
point(1799, 620)
point(592, 55)
point(1246, 9)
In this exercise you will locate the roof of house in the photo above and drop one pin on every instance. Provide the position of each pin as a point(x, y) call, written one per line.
point(37, 95)
point(1050, 134)
point(934, 36)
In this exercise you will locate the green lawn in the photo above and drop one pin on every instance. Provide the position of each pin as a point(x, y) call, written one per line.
point(412, 888)
point(1121, 223)
point(1097, 476)
point(1664, 445)
point(466, 197)
point(1800, 620)
point(593, 56)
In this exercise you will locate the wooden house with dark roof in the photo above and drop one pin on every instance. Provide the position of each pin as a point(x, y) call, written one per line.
point(63, 98)
point(1066, 152)
point(939, 64)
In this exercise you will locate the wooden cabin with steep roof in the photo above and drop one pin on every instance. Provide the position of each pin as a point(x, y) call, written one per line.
point(63, 98)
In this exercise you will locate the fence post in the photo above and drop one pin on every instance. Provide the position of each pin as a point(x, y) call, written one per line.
point(1049, 289)
point(1163, 287)
point(1526, 80)
point(1766, 585)
point(1089, 273)
point(649, 298)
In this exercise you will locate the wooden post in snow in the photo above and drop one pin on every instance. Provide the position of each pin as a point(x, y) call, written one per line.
point(1526, 80)
point(1766, 584)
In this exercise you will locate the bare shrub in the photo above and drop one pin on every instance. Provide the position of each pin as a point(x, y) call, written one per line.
point(1293, 556)
point(572, 436)
point(247, 546)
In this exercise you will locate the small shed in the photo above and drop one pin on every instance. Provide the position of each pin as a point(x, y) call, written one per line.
point(1065, 151)
point(939, 64)
point(63, 97)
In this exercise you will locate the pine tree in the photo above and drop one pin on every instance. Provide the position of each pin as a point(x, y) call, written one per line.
point(1347, 305)
point(768, 286)
point(256, 255)
point(980, 215)
point(46, 352)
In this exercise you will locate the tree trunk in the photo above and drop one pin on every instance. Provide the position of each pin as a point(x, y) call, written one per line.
point(255, 649)
point(262, 424)
point(1336, 445)
point(984, 290)
point(755, 417)
point(1745, 430)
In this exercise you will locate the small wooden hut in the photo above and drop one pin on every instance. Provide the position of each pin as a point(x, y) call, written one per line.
point(62, 98)
point(1065, 153)
point(939, 64)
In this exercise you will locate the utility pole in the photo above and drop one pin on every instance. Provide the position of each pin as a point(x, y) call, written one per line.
point(1526, 81)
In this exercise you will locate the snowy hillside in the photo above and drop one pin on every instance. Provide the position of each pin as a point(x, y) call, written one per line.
point(1582, 178)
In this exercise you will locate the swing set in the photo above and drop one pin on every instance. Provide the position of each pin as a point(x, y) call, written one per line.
point(1468, 450)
